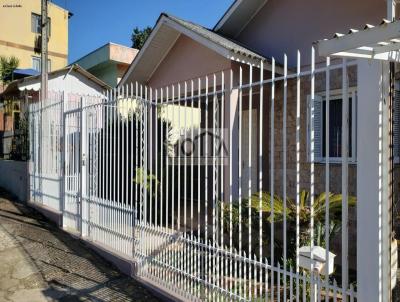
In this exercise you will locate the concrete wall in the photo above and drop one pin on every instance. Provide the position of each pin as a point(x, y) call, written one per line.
point(14, 178)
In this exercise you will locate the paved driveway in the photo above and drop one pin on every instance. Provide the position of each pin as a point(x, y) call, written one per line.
point(38, 262)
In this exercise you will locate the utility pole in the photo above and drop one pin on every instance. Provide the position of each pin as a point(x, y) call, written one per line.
point(45, 27)
point(44, 80)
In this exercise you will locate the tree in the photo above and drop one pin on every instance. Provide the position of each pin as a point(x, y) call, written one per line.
point(7, 67)
point(139, 36)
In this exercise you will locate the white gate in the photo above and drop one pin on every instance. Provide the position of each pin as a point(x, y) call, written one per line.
point(72, 204)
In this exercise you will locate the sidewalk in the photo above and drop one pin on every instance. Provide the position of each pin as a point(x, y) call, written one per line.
point(39, 262)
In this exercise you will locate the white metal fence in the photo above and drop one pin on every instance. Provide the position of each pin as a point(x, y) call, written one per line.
point(180, 179)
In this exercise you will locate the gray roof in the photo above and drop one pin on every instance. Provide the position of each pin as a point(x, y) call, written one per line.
point(218, 39)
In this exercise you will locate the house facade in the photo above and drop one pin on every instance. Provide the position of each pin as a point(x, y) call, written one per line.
point(108, 62)
point(178, 51)
point(252, 32)
point(68, 85)
point(22, 37)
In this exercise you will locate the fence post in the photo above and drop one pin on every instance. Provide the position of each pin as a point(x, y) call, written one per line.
point(373, 188)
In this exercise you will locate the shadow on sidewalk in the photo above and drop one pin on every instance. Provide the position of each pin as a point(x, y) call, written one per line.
point(71, 271)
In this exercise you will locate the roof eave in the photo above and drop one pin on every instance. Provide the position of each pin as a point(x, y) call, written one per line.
point(233, 29)
point(234, 6)
point(27, 81)
point(226, 53)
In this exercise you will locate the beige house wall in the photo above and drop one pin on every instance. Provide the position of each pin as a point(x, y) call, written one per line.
point(17, 38)
point(187, 60)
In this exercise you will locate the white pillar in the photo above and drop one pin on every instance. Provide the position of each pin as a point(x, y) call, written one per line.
point(373, 206)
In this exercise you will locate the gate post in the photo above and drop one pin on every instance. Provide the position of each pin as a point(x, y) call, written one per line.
point(373, 186)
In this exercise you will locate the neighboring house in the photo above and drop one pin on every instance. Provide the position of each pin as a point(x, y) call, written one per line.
point(69, 87)
point(108, 62)
point(68, 80)
point(20, 37)
point(69, 83)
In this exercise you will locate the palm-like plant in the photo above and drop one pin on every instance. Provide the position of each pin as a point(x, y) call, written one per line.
point(280, 209)
point(7, 67)
point(264, 203)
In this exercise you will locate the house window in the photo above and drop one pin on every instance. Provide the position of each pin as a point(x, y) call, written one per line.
point(36, 64)
point(335, 127)
point(36, 25)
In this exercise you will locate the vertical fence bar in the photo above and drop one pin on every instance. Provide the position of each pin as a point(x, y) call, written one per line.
point(260, 172)
point(345, 167)
point(250, 110)
point(284, 138)
point(312, 171)
point(230, 178)
point(240, 173)
point(272, 169)
point(327, 174)
point(298, 113)
point(222, 181)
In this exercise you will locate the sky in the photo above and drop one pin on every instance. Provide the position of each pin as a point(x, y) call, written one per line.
point(96, 22)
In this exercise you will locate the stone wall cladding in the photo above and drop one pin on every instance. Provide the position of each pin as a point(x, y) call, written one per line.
point(319, 176)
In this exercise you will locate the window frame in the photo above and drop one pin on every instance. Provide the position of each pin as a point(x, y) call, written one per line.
point(40, 63)
point(39, 26)
point(38, 18)
point(336, 94)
